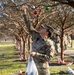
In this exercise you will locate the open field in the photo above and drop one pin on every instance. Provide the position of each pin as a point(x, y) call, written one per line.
point(8, 63)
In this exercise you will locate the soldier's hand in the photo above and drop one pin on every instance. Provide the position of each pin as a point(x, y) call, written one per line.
point(33, 54)
point(46, 56)
point(24, 8)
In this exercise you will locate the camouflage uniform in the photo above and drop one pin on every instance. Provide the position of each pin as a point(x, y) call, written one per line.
point(65, 42)
point(42, 47)
point(57, 44)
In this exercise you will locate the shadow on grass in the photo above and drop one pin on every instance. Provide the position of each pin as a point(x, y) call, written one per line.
point(8, 57)
point(20, 61)
point(56, 64)
point(5, 66)
point(59, 74)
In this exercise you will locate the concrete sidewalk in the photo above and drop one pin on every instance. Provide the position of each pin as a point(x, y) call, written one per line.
point(69, 52)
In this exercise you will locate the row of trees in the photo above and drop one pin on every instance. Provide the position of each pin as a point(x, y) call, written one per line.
point(57, 16)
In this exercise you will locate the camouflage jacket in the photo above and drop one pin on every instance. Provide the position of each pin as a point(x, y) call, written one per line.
point(41, 46)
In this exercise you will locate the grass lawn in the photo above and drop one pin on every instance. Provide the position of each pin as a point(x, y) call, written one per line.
point(55, 68)
point(7, 59)
point(8, 64)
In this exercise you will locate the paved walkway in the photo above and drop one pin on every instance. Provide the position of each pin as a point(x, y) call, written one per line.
point(69, 52)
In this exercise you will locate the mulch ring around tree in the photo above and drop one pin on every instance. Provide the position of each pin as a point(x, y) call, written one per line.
point(59, 64)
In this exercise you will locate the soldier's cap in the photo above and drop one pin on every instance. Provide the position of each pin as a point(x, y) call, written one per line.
point(47, 27)
point(58, 32)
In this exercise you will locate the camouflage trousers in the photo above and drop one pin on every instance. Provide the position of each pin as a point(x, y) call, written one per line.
point(43, 68)
point(44, 71)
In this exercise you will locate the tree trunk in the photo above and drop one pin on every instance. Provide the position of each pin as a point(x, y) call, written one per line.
point(24, 47)
point(62, 44)
point(20, 49)
point(17, 44)
point(24, 50)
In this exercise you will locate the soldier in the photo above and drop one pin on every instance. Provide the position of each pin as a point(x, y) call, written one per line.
point(42, 46)
point(65, 42)
point(57, 44)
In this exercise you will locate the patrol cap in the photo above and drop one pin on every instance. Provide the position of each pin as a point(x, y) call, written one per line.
point(58, 32)
point(47, 27)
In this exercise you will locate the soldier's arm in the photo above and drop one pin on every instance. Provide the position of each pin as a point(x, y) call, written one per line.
point(42, 57)
point(27, 22)
point(49, 53)
point(29, 26)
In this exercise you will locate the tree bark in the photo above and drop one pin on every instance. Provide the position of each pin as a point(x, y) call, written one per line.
point(20, 49)
point(17, 44)
point(24, 47)
point(62, 44)
point(24, 50)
